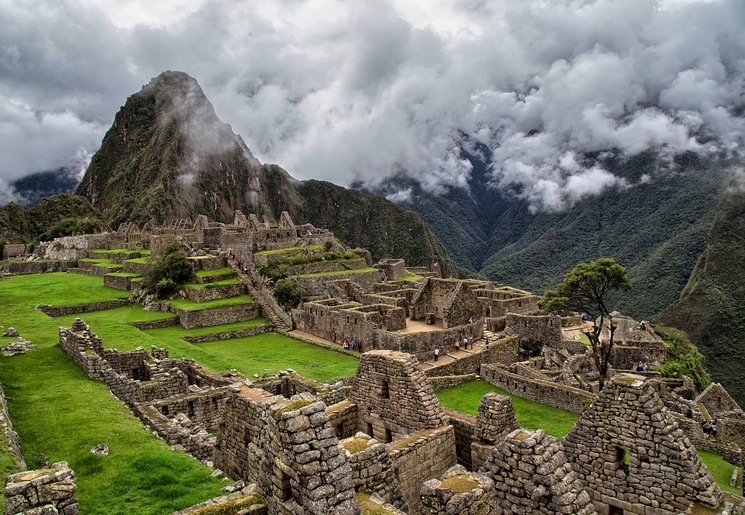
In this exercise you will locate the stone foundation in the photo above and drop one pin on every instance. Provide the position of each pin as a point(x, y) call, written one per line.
point(42, 491)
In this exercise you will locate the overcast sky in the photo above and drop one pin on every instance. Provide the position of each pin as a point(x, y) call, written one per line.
point(358, 89)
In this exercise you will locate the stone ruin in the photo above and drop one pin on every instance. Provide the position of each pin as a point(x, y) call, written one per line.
point(50, 490)
point(629, 451)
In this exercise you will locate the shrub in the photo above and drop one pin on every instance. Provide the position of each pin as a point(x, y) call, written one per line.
point(288, 292)
point(169, 272)
point(685, 359)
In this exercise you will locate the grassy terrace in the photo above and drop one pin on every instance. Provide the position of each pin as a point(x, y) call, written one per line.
point(124, 274)
point(224, 282)
point(188, 305)
point(338, 272)
point(408, 277)
point(60, 413)
point(556, 422)
point(141, 260)
point(217, 272)
point(144, 252)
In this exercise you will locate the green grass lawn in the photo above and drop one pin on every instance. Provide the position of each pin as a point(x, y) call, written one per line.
point(189, 305)
point(531, 415)
point(124, 274)
point(59, 412)
point(224, 282)
point(721, 471)
point(287, 249)
point(216, 272)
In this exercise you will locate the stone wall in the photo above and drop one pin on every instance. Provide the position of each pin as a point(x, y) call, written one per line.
point(423, 344)
point(208, 262)
point(422, 456)
point(13, 250)
point(393, 396)
point(228, 335)
point(632, 455)
point(34, 267)
point(82, 308)
point(626, 357)
point(495, 419)
point(42, 491)
point(717, 400)
point(317, 285)
point(372, 470)
point(464, 426)
point(133, 267)
point(214, 292)
point(457, 492)
point(343, 418)
point(449, 300)
point(324, 266)
point(218, 316)
point(392, 268)
point(9, 436)
point(545, 392)
point(500, 352)
point(442, 382)
point(156, 324)
point(531, 475)
point(119, 282)
point(535, 331)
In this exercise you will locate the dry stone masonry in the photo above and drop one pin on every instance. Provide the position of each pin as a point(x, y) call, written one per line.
point(631, 455)
point(43, 491)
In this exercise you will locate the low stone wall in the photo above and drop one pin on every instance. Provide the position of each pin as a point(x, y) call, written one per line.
point(442, 382)
point(343, 418)
point(156, 324)
point(501, 352)
point(228, 335)
point(324, 266)
point(136, 268)
point(545, 392)
point(371, 469)
point(119, 282)
point(317, 285)
point(421, 456)
point(42, 491)
point(219, 315)
point(9, 435)
point(422, 345)
point(496, 324)
point(720, 445)
point(208, 262)
point(82, 308)
point(214, 292)
point(626, 357)
point(34, 267)
point(465, 434)
point(194, 440)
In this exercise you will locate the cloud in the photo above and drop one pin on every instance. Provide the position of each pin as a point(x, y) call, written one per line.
point(361, 90)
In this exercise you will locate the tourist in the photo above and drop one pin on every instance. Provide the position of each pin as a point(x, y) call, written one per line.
point(470, 340)
point(345, 345)
point(437, 353)
point(457, 345)
point(487, 344)
point(639, 367)
point(354, 343)
point(706, 426)
point(713, 428)
point(470, 320)
point(501, 335)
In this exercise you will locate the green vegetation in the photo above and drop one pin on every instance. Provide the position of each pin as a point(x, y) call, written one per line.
point(224, 282)
point(721, 471)
point(685, 359)
point(408, 277)
point(288, 292)
point(216, 272)
point(276, 269)
point(58, 289)
point(124, 274)
point(288, 250)
point(587, 289)
point(190, 305)
point(169, 272)
point(531, 415)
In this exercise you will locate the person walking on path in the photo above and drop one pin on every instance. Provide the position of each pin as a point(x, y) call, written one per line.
point(437, 353)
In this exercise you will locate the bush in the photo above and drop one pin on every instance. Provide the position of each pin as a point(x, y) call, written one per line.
point(685, 359)
point(288, 292)
point(169, 272)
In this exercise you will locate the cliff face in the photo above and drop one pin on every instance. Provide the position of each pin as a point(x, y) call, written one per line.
point(168, 155)
point(711, 307)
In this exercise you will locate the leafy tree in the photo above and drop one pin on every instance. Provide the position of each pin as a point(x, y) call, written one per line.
point(586, 289)
point(288, 292)
point(169, 272)
point(684, 359)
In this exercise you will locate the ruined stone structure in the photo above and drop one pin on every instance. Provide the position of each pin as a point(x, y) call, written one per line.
point(631, 454)
point(50, 490)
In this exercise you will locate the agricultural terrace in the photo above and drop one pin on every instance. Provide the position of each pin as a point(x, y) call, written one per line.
point(60, 414)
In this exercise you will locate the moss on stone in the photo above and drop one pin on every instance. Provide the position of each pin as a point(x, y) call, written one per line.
point(460, 484)
point(355, 445)
point(231, 507)
point(369, 507)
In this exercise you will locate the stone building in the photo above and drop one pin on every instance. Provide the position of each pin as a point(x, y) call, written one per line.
point(449, 301)
point(632, 456)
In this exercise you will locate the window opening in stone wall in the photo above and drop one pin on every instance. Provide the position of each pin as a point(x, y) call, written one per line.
point(164, 410)
point(190, 408)
point(370, 429)
point(285, 491)
point(623, 458)
point(388, 435)
point(214, 403)
point(385, 393)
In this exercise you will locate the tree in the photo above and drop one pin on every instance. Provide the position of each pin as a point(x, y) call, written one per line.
point(288, 292)
point(169, 272)
point(586, 289)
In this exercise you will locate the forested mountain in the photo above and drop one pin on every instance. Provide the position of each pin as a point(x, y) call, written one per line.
point(711, 308)
point(168, 155)
point(655, 228)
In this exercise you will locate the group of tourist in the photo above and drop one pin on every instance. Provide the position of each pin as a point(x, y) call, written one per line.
point(710, 427)
point(466, 342)
point(352, 344)
point(642, 367)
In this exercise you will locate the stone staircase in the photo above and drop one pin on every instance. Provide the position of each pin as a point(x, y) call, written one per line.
point(271, 310)
point(449, 355)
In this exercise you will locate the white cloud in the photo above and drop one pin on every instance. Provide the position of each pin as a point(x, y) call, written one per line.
point(360, 90)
